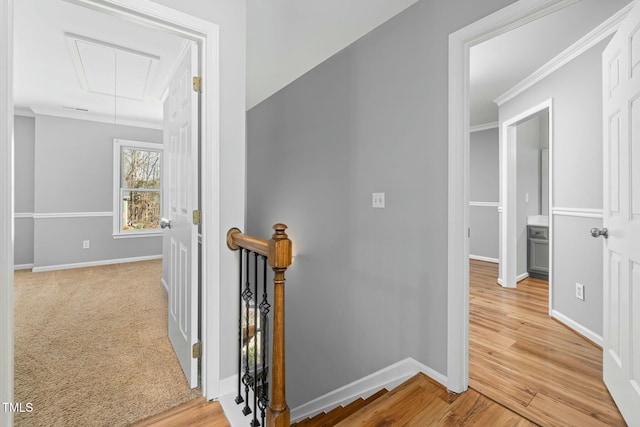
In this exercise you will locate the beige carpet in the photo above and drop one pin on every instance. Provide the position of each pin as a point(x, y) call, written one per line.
point(91, 346)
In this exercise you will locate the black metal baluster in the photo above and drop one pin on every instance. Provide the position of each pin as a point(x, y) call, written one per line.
point(255, 422)
point(263, 399)
point(239, 398)
point(246, 378)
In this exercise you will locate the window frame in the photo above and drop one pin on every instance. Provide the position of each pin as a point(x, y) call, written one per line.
point(118, 146)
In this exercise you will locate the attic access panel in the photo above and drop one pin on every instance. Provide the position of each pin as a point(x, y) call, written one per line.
point(107, 69)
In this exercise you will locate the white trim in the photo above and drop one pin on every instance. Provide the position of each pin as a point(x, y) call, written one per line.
point(508, 190)
point(389, 378)
point(94, 263)
point(521, 277)
point(589, 334)
point(484, 258)
point(59, 215)
point(94, 117)
point(23, 215)
point(485, 204)
point(594, 37)
point(23, 111)
point(578, 212)
point(164, 284)
point(6, 209)
point(23, 266)
point(138, 235)
point(460, 42)
point(485, 126)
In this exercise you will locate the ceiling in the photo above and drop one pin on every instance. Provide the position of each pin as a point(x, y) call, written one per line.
point(58, 76)
point(500, 63)
point(285, 39)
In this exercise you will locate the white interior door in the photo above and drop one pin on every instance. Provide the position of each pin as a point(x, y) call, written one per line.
point(181, 199)
point(621, 114)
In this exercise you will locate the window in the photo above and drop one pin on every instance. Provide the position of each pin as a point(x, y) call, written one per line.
point(137, 188)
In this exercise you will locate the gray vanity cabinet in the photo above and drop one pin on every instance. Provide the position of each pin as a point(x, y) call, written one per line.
point(538, 251)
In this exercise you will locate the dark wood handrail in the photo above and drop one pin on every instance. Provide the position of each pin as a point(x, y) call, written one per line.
point(278, 251)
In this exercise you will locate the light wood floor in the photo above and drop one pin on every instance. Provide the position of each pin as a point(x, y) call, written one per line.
point(197, 413)
point(525, 360)
point(520, 359)
point(422, 402)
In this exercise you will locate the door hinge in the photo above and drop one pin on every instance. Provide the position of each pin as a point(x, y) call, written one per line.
point(197, 84)
point(195, 350)
point(197, 217)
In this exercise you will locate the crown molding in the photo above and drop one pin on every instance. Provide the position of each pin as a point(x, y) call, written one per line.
point(485, 126)
point(591, 39)
point(102, 118)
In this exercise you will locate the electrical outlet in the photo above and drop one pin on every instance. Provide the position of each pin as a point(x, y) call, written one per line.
point(378, 200)
point(580, 291)
point(86, 244)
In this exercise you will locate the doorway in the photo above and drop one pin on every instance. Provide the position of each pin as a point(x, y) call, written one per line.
point(206, 35)
point(514, 15)
point(525, 188)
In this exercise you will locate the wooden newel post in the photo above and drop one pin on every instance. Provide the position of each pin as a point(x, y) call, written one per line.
point(279, 259)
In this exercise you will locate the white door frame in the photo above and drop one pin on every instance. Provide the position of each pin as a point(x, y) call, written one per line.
point(508, 195)
point(206, 34)
point(6, 208)
point(460, 42)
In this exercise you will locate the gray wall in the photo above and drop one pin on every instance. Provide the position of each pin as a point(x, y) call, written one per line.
point(484, 187)
point(577, 180)
point(72, 166)
point(24, 143)
point(368, 287)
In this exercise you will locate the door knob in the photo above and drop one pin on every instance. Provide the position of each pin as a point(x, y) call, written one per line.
point(596, 232)
point(165, 223)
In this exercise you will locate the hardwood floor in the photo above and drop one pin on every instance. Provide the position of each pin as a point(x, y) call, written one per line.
point(196, 413)
point(525, 369)
point(422, 402)
point(522, 358)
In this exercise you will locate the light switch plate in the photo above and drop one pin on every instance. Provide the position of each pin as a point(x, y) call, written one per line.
point(378, 200)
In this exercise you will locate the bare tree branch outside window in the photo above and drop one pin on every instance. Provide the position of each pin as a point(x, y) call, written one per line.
point(140, 183)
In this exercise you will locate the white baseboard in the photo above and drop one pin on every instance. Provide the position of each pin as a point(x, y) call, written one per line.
point(94, 263)
point(521, 277)
point(232, 410)
point(164, 285)
point(389, 378)
point(23, 266)
point(587, 333)
point(484, 258)
point(228, 385)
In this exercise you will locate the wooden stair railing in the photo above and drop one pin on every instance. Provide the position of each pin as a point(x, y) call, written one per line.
point(278, 252)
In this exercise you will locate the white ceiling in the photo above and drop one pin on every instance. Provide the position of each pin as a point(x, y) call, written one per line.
point(498, 64)
point(46, 80)
point(285, 39)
